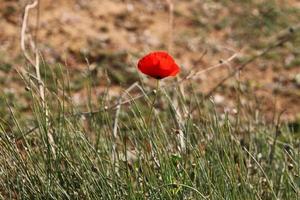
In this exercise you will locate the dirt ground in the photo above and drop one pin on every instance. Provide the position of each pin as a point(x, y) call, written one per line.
point(113, 34)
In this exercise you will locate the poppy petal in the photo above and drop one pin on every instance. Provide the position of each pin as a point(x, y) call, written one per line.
point(158, 65)
point(175, 71)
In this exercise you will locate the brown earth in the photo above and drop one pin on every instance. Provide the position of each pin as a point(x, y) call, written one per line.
point(113, 34)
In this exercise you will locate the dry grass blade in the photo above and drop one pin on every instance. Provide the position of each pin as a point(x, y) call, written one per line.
point(23, 31)
point(35, 63)
point(115, 126)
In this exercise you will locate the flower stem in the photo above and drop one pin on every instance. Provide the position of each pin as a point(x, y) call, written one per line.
point(153, 103)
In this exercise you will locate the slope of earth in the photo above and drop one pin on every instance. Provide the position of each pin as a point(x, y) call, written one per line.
point(112, 34)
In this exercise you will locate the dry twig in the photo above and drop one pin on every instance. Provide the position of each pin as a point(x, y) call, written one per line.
point(283, 37)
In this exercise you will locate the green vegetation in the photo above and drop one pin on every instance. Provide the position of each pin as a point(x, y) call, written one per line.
point(230, 152)
point(226, 156)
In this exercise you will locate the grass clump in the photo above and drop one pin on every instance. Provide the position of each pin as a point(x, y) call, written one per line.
point(226, 157)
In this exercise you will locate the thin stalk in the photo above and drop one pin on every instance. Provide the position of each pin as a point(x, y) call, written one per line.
point(148, 123)
point(152, 104)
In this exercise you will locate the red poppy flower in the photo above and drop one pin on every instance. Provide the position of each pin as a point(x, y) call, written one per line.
point(158, 64)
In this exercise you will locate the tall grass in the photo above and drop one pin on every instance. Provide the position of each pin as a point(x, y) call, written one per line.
point(227, 156)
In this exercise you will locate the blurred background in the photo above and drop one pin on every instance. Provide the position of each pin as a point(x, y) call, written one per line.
point(103, 39)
